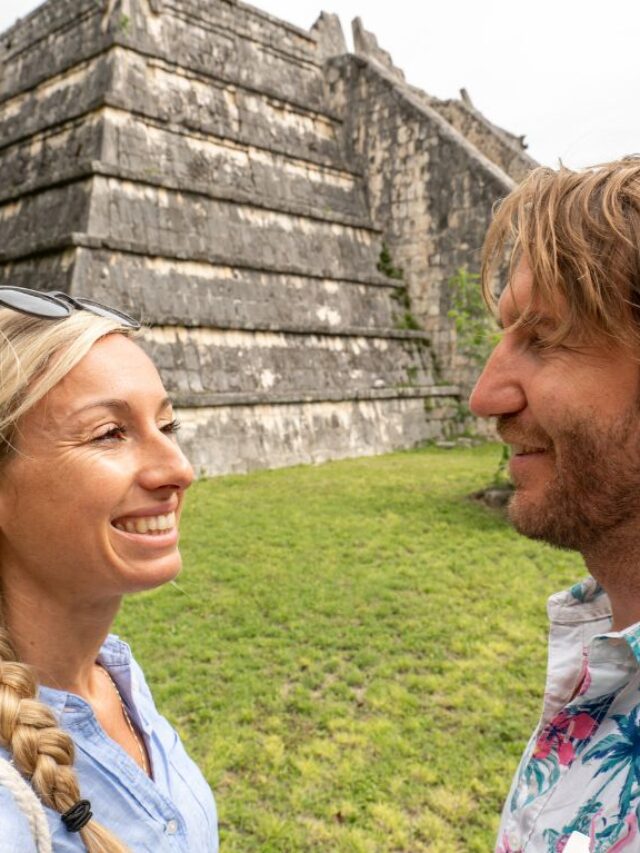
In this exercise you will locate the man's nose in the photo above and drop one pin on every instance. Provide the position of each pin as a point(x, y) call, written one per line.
point(499, 389)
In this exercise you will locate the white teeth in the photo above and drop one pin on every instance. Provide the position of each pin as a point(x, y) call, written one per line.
point(151, 524)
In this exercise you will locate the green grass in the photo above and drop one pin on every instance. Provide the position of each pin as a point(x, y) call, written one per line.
point(355, 654)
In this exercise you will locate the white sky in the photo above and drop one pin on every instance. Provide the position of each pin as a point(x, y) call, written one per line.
point(564, 73)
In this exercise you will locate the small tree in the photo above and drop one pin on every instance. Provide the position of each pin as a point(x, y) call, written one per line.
point(476, 331)
point(477, 335)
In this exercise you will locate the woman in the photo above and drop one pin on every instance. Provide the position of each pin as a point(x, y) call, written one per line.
point(92, 483)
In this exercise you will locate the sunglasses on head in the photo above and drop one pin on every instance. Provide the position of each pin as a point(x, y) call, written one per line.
point(54, 305)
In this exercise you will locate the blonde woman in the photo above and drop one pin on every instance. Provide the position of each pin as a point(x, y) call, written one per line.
point(92, 483)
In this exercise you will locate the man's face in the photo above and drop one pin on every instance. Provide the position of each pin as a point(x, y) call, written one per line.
point(571, 414)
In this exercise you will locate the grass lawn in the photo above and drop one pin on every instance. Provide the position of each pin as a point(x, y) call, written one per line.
point(354, 654)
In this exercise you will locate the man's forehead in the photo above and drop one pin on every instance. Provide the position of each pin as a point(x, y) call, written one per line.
point(519, 302)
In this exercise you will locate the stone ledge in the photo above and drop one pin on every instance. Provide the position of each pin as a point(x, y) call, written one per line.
point(108, 103)
point(83, 241)
point(306, 331)
point(81, 170)
point(33, 28)
point(197, 401)
point(202, 76)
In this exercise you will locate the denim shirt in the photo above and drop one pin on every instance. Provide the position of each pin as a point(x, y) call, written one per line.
point(577, 784)
point(173, 812)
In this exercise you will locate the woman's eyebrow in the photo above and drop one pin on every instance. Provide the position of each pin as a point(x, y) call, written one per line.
point(118, 405)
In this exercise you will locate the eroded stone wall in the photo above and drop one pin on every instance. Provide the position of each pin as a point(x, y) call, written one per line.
point(430, 191)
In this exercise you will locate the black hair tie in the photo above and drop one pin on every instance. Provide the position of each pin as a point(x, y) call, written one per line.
point(78, 816)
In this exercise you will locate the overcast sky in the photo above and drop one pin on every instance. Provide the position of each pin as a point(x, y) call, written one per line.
point(564, 73)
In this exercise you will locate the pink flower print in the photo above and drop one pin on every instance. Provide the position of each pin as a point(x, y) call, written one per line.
point(561, 734)
point(566, 753)
point(582, 726)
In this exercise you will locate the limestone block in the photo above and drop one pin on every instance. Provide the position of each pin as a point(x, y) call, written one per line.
point(366, 44)
point(244, 438)
point(223, 168)
point(235, 362)
point(190, 293)
point(168, 223)
point(329, 36)
point(51, 156)
point(44, 219)
point(48, 272)
point(59, 36)
point(154, 88)
point(58, 99)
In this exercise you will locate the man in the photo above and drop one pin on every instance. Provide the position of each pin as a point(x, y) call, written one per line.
point(564, 386)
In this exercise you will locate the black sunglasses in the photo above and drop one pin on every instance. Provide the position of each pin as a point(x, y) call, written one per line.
point(54, 304)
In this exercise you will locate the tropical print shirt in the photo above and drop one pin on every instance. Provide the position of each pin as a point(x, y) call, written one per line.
point(578, 783)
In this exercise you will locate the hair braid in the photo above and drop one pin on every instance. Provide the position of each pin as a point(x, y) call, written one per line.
point(42, 751)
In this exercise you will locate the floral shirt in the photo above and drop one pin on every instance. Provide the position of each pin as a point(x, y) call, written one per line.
point(578, 784)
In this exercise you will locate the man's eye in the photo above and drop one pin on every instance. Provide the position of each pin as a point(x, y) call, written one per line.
point(111, 434)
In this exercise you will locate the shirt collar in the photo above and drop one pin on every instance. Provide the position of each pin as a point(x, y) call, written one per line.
point(586, 602)
point(115, 656)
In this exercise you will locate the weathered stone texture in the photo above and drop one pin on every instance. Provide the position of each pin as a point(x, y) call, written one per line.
point(232, 179)
point(430, 191)
point(501, 148)
point(191, 293)
point(181, 225)
point(238, 438)
point(209, 361)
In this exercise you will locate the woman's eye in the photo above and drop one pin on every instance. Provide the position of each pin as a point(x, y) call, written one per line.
point(111, 434)
point(172, 427)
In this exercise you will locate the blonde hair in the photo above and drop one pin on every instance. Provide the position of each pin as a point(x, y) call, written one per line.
point(35, 354)
point(579, 233)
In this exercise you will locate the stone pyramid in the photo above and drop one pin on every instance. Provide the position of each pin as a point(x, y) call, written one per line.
point(234, 181)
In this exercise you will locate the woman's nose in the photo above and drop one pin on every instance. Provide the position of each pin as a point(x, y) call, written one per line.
point(165, 464)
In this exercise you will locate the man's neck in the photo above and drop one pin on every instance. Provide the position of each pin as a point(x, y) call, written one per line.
point(615, 564)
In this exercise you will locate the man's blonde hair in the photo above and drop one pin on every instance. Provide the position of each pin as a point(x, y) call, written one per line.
point(579, 233)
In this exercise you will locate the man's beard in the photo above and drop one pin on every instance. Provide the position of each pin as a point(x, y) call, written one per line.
point(595, 488)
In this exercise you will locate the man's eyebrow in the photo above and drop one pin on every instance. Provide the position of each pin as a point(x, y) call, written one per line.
point(118, 405)
point(529, 320)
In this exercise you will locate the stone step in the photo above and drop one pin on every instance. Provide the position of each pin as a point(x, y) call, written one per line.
point(248, 22)
point(134, 149)
point(436, 395)
point(244, 437)
point(255, 59)
point(206, 361)
point(158, 91)
point(258, 49)
point(166, 223)
point(178, 292)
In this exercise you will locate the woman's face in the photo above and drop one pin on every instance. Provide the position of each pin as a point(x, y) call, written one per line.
point(97, 466)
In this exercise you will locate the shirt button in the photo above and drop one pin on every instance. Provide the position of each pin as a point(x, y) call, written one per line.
point(172, 827)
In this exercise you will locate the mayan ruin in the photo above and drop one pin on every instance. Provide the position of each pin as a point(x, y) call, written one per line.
point(235, 181)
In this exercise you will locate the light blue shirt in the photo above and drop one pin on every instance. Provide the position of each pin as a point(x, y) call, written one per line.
point(172, 813)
